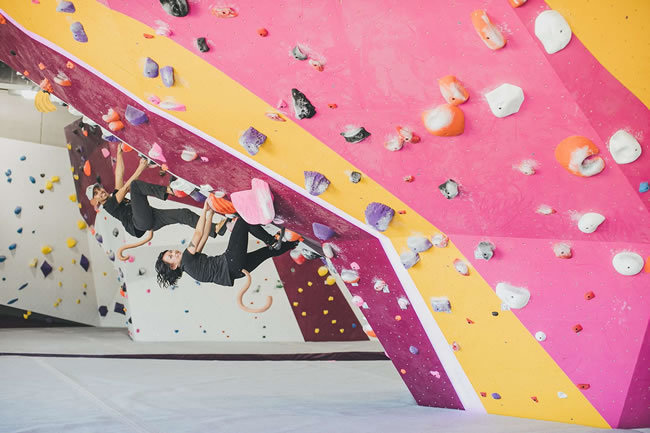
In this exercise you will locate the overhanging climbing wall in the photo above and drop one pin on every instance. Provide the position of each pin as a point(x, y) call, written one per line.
point(513, 193)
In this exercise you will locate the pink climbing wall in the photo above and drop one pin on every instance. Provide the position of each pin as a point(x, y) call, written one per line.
point(422, 372)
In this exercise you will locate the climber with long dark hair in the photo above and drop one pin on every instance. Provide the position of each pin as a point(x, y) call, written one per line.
point(225, 268)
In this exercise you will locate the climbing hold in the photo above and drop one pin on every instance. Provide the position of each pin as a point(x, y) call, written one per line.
point(62, 79)
point(540, 336)
point(223, 12)
point(175, 8)
point(81, 224)
point(322, 271)
point(445, 120)
point(418, 243)
point(469, 321)
point(489, 33)
point(322, 231)
point(627, 263)
point(315, 183)
point(394, 143)
point(298, 53)
point(516, 4)
point(12, 247)
point(156, 153)
point(449, 189)
point(33, 263)
point(589, 222)
point(562, 250)
point(78, 32)
point(262, 32)
point(576, 328)
point(355, 177)
point(379, 215)
point(84, 262)
point(624, 147)
point(46, 268)
point(188, 155)
point(461, 267)
point(552, 30)
point(87, 170)
point(644, 187)
point(408, 135)
point(103, 310)
point(452, 90)
point(115, 126)
point(408, 179)
point(484, 250)
point(11, 301)
point(455, 346)
point(414, 350)
point(111, 255)
point(46, 249)
point(20, 230)
point(505, 100)
point(328, 250)
point(171, 105)
point(589, 295)
point(55, 179)
point(99, 238)
point(22, 286)
point(116, 232)
point(31, 179)
point(545, 209)
point(409, 258)
point(330, 280)
point(355, 134)
point(71, 242)
point(167, 75)
point(496, 396)
point(527, 167)
point(251, 140)
point(350, 276)
point(584, 386)
point(512, 296)
point(275, 116)
point(135, 116)
point(111, 116)
point(403, 303)
point(439, 240)
point(202, 45)
point(49, 186)
point(297, 256)
point(483, 394)
point(317, 65)
point(576, 154)
point(3, 258)
point(381, 286)
point(302, 108)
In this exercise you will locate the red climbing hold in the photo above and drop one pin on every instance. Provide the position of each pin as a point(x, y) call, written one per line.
point(87, 168)
point(148, 36)
point(263, 32)
point(577, 328)
point(332, 105)
point(584, 386)
point(589, 295)
point(126, 147)
point(533, 398)
point(483, 394)
point(470, 321)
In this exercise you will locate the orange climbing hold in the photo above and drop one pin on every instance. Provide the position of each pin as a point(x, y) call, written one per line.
point(263, 32)
point(41, 66)
point(69, 65)
point(407, 135)
point(148, 36)
point(516, 3)
point(490, 33)
point(116, 126)
point(3, 20)
point(87, 170)
point(332, 106)
point(452, 90)
point(292, 236)
point(646, 268)
point(26, 73)
point(62, 80)
point(445, 120)
point(45, 85)
point(223, 12)
point(577, 155)
point(221, 205)
point(111, 116)
point(126, 147)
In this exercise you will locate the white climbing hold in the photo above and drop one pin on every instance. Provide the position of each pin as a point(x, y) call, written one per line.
point(540, 336)
point(188, 155)
point(440, 305)
point(394, 143)
point(627, 263)
point(505, 99)
point(461, 267)
point(527, 166)
point(350, 276)
point(589, 222)
point(552, 30)
point(484, 250)
point(409, 258)
point(403, 302)
point(624, 147)
point(545, 209)
point(418, 243)
point(439, 240)
point(561, 394)
point(381, 286)
point(512, 296)
point(562, 250)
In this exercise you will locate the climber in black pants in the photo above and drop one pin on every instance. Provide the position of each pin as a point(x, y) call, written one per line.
point(136, 215)
point(227, 267)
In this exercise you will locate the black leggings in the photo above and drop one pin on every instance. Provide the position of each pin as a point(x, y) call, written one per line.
point(146, 217)
point(237, 253)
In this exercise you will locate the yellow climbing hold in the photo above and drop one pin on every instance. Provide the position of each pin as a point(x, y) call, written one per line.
point(73, 197)
point(316, 331)
point(303, 314)
point(331, 298)
point(46, 249)
point(76, 177)
point(295, 304)
point(48, 185)
point(326, 312)
point(104, 273)
point(322, 271)
point(333, 321)
point(85, 285)
point(79, 205)
point(33, 263)
point(309, 283)
point(330, 280)
point(299, 289)
point(74, 261)
point(27, 314)
point(71, 242)
point(78, 301)
point(341, 330)
point(81, 224)
point(69, 146)
point(55, 179)
point(60, 284)
point(71, 168)
point(60, 268)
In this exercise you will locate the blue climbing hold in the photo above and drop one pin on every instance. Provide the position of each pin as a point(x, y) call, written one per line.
point(182, 241)
point(175, 331)
point(187, 311)
point(9, 180)
point(414, 350)
point(20, 230)
point(8, 172)
point(23, 286)
point(12, 301)
point(644, 187)
point(22, 158)
point(354, 325)
point(496, 396)
point(12, 247)
point(31, 179)
point(3, 258)
point(18, 210)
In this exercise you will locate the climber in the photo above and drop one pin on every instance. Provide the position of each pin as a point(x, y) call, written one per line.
point(136, 215)
point(225, 268)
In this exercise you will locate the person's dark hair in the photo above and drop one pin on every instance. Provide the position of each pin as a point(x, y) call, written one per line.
point(167, 276)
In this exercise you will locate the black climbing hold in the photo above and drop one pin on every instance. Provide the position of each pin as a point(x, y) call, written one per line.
point(41, 191)
point(116, 232)
point(12, 52)
point(40, 206)
point(202, 45)
point(301, 105)
point(42, 174)
point(103, 310)
point(449, 189)
point(355, 135)
point(355, 177)
point(98, 180)
point(175, 8)
point(119, 308)
point(495, 313)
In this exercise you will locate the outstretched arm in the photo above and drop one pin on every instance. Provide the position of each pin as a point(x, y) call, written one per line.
point(198, 231)
point(119, 168)
point(206, 230)
point(121, 192)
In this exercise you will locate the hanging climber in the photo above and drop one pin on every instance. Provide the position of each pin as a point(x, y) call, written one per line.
point(136, 215)
point(223, 269)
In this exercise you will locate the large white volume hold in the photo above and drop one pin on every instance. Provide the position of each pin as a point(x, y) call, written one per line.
point(589, 222)
point(512, 296)
point(505, 100)
point(552, 30)
point(627, 263)
point(624, 147)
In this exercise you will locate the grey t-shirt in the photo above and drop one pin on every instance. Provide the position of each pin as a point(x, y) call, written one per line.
point(207, 269)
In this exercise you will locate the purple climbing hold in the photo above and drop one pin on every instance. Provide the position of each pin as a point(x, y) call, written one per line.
point(84, 262)
point(46, 268)
point(322, 232)
point(65, 6)
point(167, 75)
point(22, 286)
point(99, 238)
point(78, 32)
point(103, 310)
point(12, 301)
point(496, 396)
point(251, 140)
point(111, 255)
point(379, 215)
point(134, 116)
point(119, 308)
point(197, 196)
point(150, 68)
point(111, 138)
point(315, 183)
point(414, 350)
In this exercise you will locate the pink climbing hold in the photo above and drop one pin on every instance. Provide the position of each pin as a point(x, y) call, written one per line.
point(106, 153)
point(156, 153)
point(256, 204)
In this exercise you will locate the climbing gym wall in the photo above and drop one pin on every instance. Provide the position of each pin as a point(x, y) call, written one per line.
point(45, 242)
point(501, 265)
